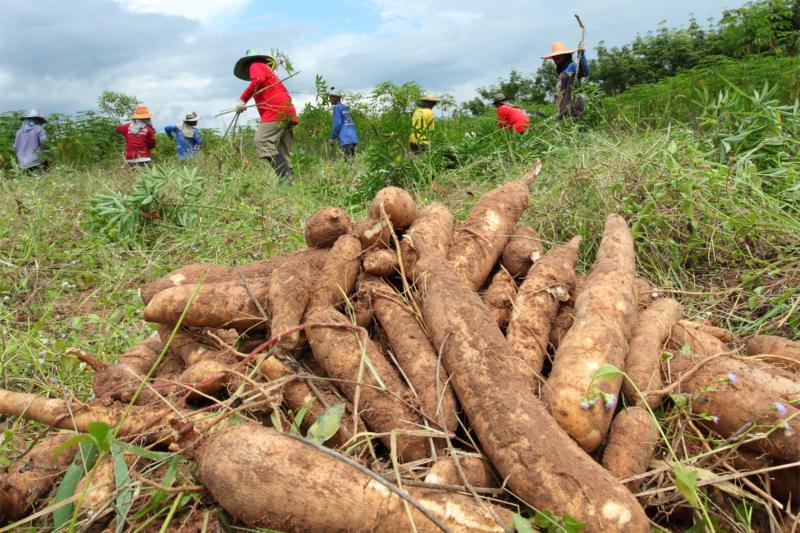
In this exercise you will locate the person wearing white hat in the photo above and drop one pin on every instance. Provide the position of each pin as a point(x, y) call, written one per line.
point(344, 128)
point(186, 136)
point(29, 140)
point(568, 71)
point(422, 123)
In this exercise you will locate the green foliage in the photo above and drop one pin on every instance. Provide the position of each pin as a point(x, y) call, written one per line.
point(116, 106)
point(83, 462)
point(327, 424)
point(125, 216)
point(552, 523)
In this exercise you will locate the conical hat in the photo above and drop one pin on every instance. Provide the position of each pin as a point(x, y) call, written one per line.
point(242, 68)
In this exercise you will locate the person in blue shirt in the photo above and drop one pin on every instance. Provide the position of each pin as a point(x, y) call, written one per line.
point(344, 129)
point(186, 136)
point(566, 68)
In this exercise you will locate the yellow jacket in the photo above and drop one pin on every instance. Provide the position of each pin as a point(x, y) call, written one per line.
point(422, 122)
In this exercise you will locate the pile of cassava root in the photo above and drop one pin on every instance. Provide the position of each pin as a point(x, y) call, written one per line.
point(456, 373)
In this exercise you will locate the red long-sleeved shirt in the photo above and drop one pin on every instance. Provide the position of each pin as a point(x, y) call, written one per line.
point(512, 117)
point(274, 103)
point(137, 144)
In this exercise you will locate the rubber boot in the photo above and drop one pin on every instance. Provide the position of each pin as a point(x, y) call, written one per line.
point(281, 166)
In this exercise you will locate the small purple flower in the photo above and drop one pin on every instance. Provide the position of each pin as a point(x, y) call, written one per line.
point(731, 377)
point(714, 419)
point(781, 408)
point(587, 403)
point(787, 429)
point(610, 401)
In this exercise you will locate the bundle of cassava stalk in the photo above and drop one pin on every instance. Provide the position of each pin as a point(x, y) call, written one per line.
point(409, 373)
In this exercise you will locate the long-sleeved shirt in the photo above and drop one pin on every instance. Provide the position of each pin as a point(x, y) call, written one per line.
point(566, 76)
point(344, 128)
point(422, 123)
point(28, 145)
point(138, 145)
point(509, 117)
point(273, 102)
point(186, 147)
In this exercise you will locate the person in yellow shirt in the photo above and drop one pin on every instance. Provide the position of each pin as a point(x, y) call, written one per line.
point(422, 123)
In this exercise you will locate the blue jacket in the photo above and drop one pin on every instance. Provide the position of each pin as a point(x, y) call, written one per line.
point(185, 146)
point(344, 128)
point(573, 65)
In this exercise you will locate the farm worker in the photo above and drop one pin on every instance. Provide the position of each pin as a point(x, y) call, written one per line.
point(274, 135)
point(422, 122)
point(186, 136)
point(30, 139)
point(566, 68)
point(509, 116)
point(344, 129)
point(139, 135)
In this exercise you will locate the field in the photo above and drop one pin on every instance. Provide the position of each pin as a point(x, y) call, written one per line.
point(712, 196)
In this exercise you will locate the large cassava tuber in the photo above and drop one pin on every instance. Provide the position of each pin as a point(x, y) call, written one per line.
point(413, 350)
point(771, 344)
point(338, 276)
point(605, 315)
point(549, 282)
point(301, 489)
point(632, 442)
point(381, 262)
point(398, 205)
point(539, 461)
point(480, 239)
point(339, 352)
point(288, 295)
point(32, 476)
point(522, 250)
point(476, 469)
point(429, 234)
point(325, 226)
point(643, 364)
point(499, 296)
point(373, 233)
point(119, 381)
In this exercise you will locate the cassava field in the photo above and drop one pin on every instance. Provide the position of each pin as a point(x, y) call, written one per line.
point(703, 170)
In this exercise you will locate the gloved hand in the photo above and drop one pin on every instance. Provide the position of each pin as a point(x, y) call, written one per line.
point(241, 107)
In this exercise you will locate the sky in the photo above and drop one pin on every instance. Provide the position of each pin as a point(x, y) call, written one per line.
point(177, 56)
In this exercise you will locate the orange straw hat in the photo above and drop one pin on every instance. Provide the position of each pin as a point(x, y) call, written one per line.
point(558, 49)
point(141, 112)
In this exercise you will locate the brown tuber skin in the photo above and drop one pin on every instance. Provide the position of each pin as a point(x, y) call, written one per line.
point(120, 381)
point(225, 304)
point(476, 469)
point(287, 298)
point(632, 442)
point(339, 353)
point(428, 235)
point(605, 315)
point(413, 350)
point(643, 364)
point(480, 239)
point(325, 226)
point(644, 293)
point(540, 462)
point(398, 205)
point(373, 233)
point(522, 251)
point(499, 296)
point(185, 345)
point(382, 263)
point(33, 476)
point(301, 489)
point(770, 344)
point(737, 394)
point(338, 276)
point(566, 313)
point(549, 283)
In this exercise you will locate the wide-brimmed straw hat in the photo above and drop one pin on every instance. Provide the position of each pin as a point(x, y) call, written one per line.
point(429, 97)
point(242, 68)
point(558, 49)
point(498, 98)
point(34, 113)
point(192, 117)
point(141, 112)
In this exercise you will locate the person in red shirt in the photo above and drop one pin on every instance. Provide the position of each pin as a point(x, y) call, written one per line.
point(509, 116)
point(274, 135)
point(140, 137)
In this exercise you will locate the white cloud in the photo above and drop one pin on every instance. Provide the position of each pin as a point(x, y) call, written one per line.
point(205, 11)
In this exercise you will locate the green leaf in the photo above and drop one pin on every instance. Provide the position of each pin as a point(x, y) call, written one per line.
point(101, 433)
point(69, 443)
point(83, 461)
point(521, 524)
point(158, 496)
point(301, 414)
point(607, 372)
point(686, 482)
point(142, 452)
point(123, 485)
point(327, 424)
point(686, 349)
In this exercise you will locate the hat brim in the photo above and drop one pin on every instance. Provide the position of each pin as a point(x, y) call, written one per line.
point(141, 115)
point(563, 53)
point(242, 68)
point(38, 117)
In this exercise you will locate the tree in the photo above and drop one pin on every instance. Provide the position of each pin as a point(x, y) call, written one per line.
point(116, 105)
